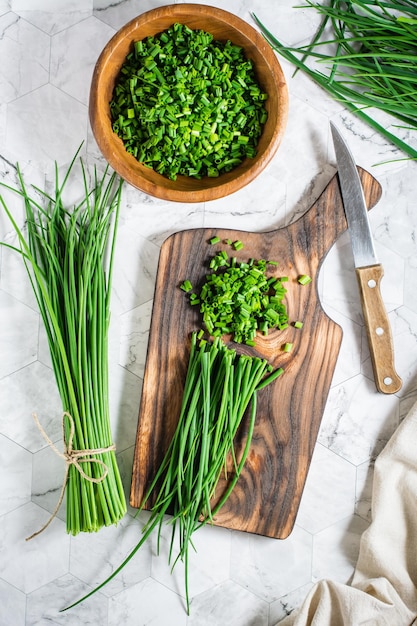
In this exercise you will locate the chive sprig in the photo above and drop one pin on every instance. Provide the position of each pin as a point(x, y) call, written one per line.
point(364, 54)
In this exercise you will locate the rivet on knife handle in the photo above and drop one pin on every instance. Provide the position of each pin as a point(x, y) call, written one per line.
point(378, 329)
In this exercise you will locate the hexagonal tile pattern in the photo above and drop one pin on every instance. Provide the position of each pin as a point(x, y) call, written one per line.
point(49, 49)
point(72, 74)
point(60, 126)
point(286, 604)
point(151, 600)
point(406, 403)
point(364, 481)
point(329, 491)
point(16, 464)
point(116, 15)
point(11, 279)
point(26, 49)
point(404, 329)
point(13, 603)
point(395, 227)
point(18, 335)
point(19, 566)
point(124, 391)
point(336, 549)
point(271, 207)
point(46, 487)
point(156, 219)
point(40, 396)
point(134, 338)
point(4, 6)
point(214, 607)
point(55, 15)
point(106, 550)
point(348, 363)
point(45, 603)
point(358, 421)
point(9, 163)
point(410, 297)
point(270, 568)
point(135, 266)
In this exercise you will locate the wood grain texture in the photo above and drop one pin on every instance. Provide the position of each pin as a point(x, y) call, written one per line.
point(267, 495)
point(223, 26)
point(378, 329)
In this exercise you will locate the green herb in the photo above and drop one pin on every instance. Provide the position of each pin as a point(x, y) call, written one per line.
point(239, 299)
point(237, 245)
point(269, 379)
point(373, 63)
point(288, 347)
point(220, 386)
point(186, 286)
point(304, 279)
point(214, 240)
point(65, 255)
point(187, 104)
point(298, 324)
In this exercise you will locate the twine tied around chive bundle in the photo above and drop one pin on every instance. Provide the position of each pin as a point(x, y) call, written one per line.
point(71, 457)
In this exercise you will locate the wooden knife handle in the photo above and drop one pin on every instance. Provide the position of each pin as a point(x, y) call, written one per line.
point(378, 329)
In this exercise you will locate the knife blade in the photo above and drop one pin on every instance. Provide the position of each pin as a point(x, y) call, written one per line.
point(369, 271)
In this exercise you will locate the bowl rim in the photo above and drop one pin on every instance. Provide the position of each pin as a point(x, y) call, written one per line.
point(111, 146)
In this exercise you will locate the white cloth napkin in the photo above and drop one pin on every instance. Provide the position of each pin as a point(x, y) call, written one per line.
point(383, 590)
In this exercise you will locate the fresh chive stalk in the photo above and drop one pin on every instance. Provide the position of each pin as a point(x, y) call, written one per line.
point(68, 255)
point(219, 398)
point(373, 63)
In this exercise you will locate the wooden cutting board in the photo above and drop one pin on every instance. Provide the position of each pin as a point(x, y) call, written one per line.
point(267, 496)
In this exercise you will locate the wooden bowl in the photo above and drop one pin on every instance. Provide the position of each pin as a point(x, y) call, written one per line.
point(223, 26)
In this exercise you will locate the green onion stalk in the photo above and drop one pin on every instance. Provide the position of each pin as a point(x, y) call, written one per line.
point(373, 64)
point(68, 254)
point(220, 390)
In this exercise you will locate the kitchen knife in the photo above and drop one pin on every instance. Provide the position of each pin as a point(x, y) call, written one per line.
point(369, 271)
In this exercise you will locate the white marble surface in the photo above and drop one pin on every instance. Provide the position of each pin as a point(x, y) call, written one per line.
point(47, 50)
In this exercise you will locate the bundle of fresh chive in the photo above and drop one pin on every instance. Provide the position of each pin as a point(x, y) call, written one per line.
point(374, 63)
point(186, 104)
point(219, 388)
point(65, 254)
